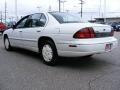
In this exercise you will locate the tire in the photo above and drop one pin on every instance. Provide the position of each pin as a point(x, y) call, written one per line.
point(1, 32)
point(49, 53)
point(7, 44)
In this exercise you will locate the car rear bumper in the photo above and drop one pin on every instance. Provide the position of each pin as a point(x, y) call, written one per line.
point(1, 30)
point(77, 48)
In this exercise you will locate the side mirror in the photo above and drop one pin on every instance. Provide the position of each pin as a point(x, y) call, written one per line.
point(13, 25)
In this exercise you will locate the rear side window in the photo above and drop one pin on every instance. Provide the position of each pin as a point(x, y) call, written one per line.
point(43, 19)
point(66, 17)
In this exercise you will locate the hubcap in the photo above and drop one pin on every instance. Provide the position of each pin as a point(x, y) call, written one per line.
point(6, 43)
point(47, 53)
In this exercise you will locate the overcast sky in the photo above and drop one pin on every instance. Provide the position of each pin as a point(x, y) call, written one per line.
point(91, 7)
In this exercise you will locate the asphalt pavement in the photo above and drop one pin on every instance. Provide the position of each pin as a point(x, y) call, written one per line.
point(23, 70)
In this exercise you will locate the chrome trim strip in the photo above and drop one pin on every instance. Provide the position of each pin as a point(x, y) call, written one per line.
point(23, 39)
point(88, 44)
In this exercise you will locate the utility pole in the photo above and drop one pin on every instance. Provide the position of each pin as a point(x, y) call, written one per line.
point(104, 11)
point(100, 8)
point(12, 18)
point(59, 5)
point(39, 8)
point(50, 8)
point(1, 16)
point(63, 1)
point(81, 2)
point(5, 11)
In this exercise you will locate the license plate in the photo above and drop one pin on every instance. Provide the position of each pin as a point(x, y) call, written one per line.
point(108, 47)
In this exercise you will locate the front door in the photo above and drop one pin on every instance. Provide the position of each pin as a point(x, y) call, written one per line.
point(34, 28)
point(16, 38)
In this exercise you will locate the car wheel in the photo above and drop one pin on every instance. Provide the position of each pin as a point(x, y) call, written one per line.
point(7, 44)
point(49, 53)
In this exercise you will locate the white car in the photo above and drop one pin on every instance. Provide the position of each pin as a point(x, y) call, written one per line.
point(59, 34)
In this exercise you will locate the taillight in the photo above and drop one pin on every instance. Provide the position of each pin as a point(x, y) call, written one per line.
point(87, 32)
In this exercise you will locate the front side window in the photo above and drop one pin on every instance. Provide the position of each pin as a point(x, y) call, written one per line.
point(35, 20)
point(22, 22)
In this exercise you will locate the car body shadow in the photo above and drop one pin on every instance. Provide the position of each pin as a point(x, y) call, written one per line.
point(63, 62)
point(84, 63)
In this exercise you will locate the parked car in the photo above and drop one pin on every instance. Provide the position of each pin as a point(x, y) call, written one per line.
point(59, 34)
point(2, 27)
point(116, 26)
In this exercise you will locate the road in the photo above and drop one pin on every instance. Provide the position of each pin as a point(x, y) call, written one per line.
point(23, 70)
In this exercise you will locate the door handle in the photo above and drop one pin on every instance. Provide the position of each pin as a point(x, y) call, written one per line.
point(38, 31)
point(20, 31)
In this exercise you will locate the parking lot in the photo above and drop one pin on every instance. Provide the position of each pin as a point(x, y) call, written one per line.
point(23, 70)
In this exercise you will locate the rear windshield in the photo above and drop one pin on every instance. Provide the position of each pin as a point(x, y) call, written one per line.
point(66, 17)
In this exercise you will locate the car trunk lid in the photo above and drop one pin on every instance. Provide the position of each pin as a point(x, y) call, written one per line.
point(99, 29)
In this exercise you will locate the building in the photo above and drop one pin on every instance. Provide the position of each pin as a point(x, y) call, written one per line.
point(107, 20)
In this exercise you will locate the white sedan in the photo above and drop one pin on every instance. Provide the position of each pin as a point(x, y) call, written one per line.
point(59, 34)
